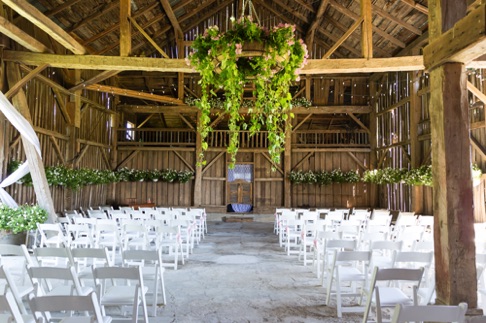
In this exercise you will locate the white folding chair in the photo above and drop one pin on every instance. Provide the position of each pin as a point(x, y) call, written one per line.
point(429, 313)
point(128, 289)
point(51, 235)
point(383, 252)
point(152, 270)
point(80, 235)
point(53, 256)
point(319, 247)
point(380, 295)
point(134, 235)
point(380, 217)
point(16, 259)
point(107, 236)
point(87, 308)
point(50, 281)
point(19, 291)
point(97, 214)
point(348, 269)
point(169, 242)
point(329, 249)
point(10, 310)
point(85, 259)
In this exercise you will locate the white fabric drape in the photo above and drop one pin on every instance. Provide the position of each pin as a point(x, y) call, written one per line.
point(27, 132)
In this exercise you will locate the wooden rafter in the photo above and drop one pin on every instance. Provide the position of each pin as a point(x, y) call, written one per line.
point(133, 94)
point(16, 34)
point(209, 14)
point(309, 38)
point(378, 30)
point(62, 106)
point(306, 157)
point(173, 19)
point(148, 38)
point(116, 26)
point(57, 9)
point(400, 22)
point(474, 90)
point(57, 149)
point(359, 162)
point(32, 14)
point(95, 79)
point(343, 38)
point(417, 6)
point(361, 124)
point(191, 168)
point(96, 14)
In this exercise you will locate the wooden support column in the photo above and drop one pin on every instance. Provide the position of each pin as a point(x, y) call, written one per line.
point(415, 158)
point(198, 173)
point(455, 266)
point(366, 29)
point(125, 28)
point(287, 164)
point(373, 188)
point(36, 166)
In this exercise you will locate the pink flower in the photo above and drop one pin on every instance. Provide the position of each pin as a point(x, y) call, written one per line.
point(239, 49)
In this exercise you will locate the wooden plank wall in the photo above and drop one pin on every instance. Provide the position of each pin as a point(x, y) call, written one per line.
point(268, 184)
point(393, 131)
point(334, 195)
point(51, 127)
point(160, 193)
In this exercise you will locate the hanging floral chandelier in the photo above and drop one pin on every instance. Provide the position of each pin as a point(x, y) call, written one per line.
point(248, 52)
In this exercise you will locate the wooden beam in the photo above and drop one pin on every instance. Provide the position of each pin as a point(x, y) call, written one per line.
point(173, 19)
point(215, 159)
point(184, 161)
point(359, 162)
point(361, 124)
point(417, 6)
point(474, 90)
point(343, 38)
point(477, 145)
point(53, 84)
point(62, 106)
point(148, 38)
point(359, 109)
point(16, 87)
point(267, 157)
point(125, 29)
point(385, 14)
point(95, 79)
point(33, 15)
point(98, 12)
point(309, 37)
point(302, 122)
point(394, 106)
point(128, 158)
point(21, 37)
point(366, 29)
point(306, 157)
point(133, 94)
point(378, 30)
point(116, 63)
point(463, 43)
point(57, 149)
point(60, 7)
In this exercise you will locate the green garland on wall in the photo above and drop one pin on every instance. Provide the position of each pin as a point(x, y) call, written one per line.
point(77, 178)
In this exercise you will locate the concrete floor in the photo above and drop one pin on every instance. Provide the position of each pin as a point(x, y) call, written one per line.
point(240, 274)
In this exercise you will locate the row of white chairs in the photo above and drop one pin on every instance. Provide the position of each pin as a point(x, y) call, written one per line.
point(79, 271)
point(177, 239)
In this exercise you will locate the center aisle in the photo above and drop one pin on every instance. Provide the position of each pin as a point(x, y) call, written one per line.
point(238, 273)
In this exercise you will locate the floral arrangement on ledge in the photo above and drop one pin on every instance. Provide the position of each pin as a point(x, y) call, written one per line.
point(323, 177)
point(225, 61)
point(21, 219)
point(77, 178)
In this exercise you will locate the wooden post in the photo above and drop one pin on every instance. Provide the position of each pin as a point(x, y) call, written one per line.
point(455, 266)
point(366, 29)
point(373, 189)
point(287, 164)
point(36, 166)
point(125, 28)
point(198, 168)
point(415, 158)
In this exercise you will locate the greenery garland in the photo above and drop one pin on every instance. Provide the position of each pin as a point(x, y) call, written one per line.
point(222, 64)
point(77, 178)
point(323, 177)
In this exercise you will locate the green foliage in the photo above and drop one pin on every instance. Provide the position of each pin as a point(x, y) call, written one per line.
point(219, 59)
point(323, 177)
point(21, 219)
point(419, 176)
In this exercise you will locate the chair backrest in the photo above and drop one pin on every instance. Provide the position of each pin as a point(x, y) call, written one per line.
point(97, 214)
point(51, 234)
point(47, 279)
point(142, 257)
point(406, 218)
point(42, 306)
point(343, 244)
point(90, 257)
point(398, 274)
point(53, 256)
point(429, 313)
point(10, 284)
point(9, 305)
